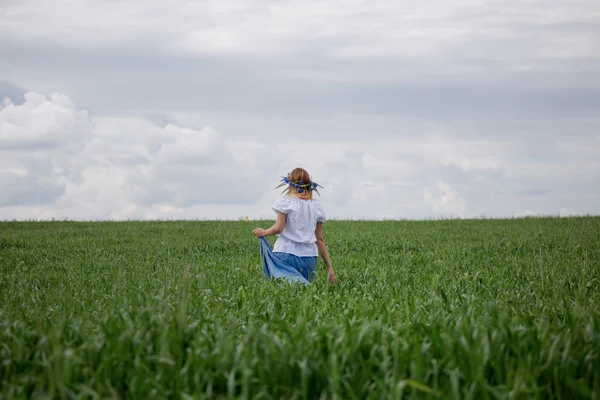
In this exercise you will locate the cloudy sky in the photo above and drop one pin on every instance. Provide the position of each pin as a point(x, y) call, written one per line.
point(401, 109)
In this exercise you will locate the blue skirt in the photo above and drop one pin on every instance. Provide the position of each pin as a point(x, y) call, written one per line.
point(287, 266)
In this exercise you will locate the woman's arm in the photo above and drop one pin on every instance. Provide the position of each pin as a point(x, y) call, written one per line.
point(323, 252)
point(276, 229)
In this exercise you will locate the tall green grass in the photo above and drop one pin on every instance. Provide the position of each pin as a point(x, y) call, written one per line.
point(479, 309)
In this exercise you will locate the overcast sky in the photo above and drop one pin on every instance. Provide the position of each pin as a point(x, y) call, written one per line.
point(132, 109)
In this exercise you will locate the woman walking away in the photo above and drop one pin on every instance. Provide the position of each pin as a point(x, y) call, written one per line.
point(299, 226)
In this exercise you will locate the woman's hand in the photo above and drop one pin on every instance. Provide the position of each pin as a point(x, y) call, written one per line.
point(274, 230)
point(332, 277)
point(259, 232)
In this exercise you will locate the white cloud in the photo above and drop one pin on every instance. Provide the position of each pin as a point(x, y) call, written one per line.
point(59, 161)
point(526, 213)
point(477, 164)
point(53, 152)
point(41, 123)
point(40, 144)
point(195, 167)
point(445, 200)
point(565, 212)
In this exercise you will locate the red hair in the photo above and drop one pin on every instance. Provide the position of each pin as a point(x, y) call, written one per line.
point(301, 176)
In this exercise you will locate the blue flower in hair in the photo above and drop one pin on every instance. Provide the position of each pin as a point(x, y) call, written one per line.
point(299, 186)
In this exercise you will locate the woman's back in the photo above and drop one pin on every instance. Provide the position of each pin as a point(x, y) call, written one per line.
point(298, 236)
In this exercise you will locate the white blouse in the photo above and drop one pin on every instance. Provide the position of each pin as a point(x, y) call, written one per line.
point(298, 235)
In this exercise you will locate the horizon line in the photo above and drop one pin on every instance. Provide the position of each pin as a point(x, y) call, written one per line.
point(335, 219)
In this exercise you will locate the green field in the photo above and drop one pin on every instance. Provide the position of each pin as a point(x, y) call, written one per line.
point(465, 309)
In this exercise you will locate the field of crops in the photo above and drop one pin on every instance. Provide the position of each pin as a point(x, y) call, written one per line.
point(465, 309)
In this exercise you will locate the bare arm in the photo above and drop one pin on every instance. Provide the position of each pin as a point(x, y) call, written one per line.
point(323, 252)
point(276, 229)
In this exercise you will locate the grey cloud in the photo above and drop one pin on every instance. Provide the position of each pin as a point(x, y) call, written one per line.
point(198, 189)
point(124, 160)
point(451, 174)
point(11, 91)
point(35, 164)
point(533, 192)
point(159, 119)
point(140, 77)
point(38, 144)
point(28, 190)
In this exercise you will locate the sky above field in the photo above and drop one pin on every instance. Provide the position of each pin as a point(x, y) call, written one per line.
point(400, 109)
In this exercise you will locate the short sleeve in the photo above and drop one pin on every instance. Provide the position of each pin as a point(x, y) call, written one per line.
point(282, 205)
point(320, 213)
